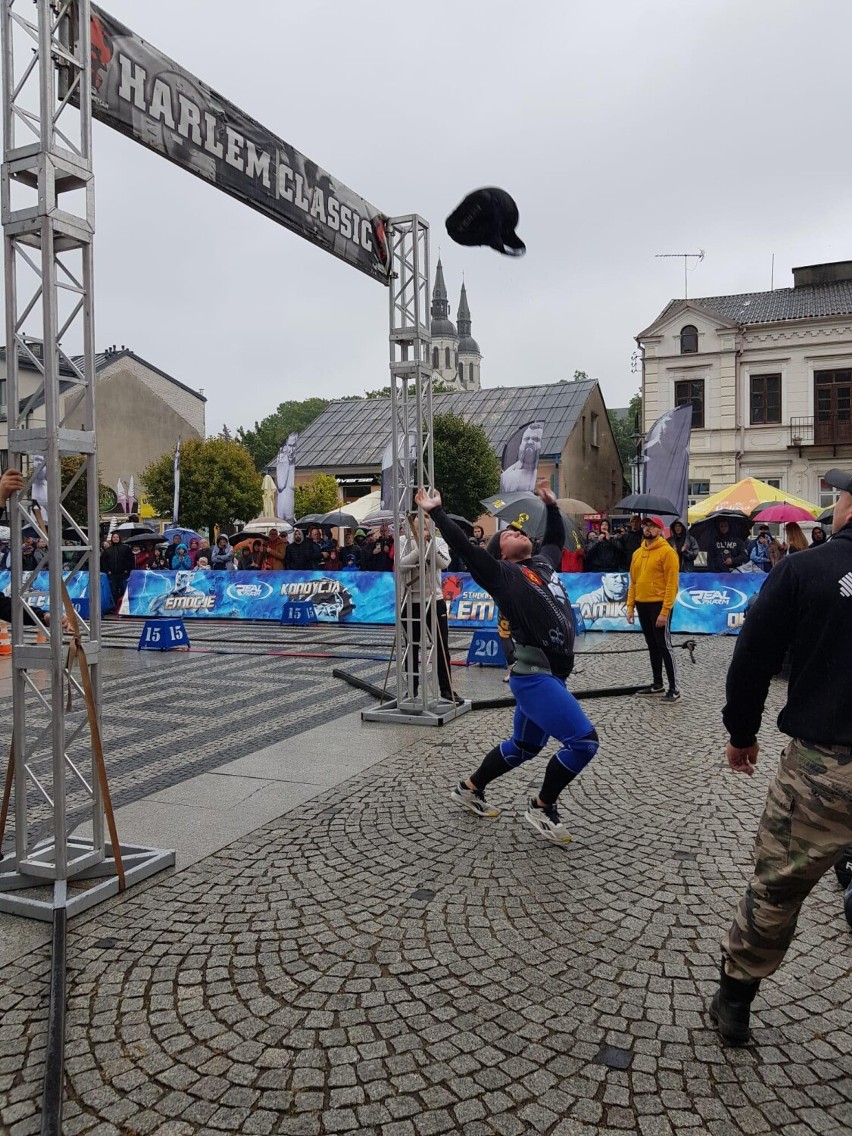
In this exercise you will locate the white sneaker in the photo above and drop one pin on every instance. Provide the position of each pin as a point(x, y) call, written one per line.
point(545, 820)
point(474, 800)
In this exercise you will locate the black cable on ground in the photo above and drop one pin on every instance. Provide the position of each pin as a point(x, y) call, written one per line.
point(54, 1073)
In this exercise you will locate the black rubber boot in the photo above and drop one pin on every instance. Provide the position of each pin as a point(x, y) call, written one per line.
point(731, 1007)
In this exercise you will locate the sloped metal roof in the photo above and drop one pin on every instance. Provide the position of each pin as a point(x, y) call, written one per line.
point(354, 433)
point(806, 302)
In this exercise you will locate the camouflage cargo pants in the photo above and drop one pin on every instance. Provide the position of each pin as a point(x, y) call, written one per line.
point(805, 826)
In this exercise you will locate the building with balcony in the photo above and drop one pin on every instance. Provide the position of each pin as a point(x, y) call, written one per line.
point(769, 379)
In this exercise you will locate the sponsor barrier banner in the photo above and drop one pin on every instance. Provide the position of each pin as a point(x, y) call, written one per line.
point(706, 604)
point(139, 91)
point(78, 591)
point(340, 597)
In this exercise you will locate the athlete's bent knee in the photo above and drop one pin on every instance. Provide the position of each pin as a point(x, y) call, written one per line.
point(515, 753)
point(576, 754)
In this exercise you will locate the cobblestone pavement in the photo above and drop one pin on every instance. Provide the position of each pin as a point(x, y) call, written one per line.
point(381, 962)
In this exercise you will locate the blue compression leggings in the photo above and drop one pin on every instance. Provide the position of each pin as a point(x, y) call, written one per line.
point(546, 709)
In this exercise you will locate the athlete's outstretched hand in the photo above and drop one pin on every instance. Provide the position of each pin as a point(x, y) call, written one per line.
point(544, 491)
point(427, 499)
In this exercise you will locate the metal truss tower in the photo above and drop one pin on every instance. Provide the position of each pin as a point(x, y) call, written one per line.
point(413, 465)
point(48, 224)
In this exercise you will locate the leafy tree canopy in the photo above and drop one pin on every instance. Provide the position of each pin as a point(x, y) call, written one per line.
point(75, 501)
point(466, 468)
point(437, 388)
point(267, 436)
point(218, 484)
point(319, 495)
point(623, 429)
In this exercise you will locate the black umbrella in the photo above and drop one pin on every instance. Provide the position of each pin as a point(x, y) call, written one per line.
point(237, 538)
point(312, 519)
point(528, 512)
point(143, 538)
point(339, 520)
point(129, 529)
point(648, 503)
point(825, 516)
point(704, 530)
point(462, 522)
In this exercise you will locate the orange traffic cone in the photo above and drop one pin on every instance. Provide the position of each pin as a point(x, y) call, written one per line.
point(41, 635)
point(5, 640)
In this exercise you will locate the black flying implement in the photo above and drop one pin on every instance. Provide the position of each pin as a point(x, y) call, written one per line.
point(487, 217)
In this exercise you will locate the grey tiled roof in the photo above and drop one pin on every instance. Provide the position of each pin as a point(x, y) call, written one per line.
point(809, 302)
point(354, 433)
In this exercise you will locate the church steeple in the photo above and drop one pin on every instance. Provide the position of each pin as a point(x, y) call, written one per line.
point(470, 357)
point(440, 303)
point(463, 314)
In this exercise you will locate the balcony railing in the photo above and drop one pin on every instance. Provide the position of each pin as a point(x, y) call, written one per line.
point(811, 432)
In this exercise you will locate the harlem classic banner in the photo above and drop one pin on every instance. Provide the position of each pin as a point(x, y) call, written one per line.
point(78, 591)
point(142, 93)
point(706, 604)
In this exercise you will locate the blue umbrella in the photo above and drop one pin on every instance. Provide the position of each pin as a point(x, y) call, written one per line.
point(186, 535)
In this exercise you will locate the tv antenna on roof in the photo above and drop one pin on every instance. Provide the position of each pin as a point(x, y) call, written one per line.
point(686, 256)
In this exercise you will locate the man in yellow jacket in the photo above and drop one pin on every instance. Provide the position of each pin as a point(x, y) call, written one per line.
point(653, 591)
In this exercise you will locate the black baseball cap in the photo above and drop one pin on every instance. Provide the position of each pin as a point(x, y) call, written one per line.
point(487, 216)
point(839, 479)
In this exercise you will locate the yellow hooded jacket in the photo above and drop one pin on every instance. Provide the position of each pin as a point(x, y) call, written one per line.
point(653, 575)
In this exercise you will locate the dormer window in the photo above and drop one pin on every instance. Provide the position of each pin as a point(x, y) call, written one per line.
point(689, 340)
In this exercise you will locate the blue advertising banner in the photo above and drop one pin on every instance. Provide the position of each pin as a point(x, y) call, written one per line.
point(78, 591)
point(340, 597)
point(706, 604)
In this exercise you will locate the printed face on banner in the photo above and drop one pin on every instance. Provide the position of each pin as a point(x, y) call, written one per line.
point(142, 93)
point(520, 459)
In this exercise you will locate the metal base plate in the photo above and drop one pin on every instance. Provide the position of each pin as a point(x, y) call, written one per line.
point(36, 897)
point(437, 713)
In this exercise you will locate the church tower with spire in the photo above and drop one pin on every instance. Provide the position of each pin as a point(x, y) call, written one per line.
point(470, 357)
point(445, 339)
point(456, 357)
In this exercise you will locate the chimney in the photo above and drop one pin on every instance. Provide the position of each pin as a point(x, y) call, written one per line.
point(812, 274)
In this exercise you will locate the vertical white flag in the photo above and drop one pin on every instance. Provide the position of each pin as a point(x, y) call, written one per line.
point(176, 501)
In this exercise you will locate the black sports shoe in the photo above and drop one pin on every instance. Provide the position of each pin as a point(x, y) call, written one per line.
point(651, 689)
point(672, 696)
point(473, 799)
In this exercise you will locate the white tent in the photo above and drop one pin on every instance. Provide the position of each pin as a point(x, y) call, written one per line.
point(364, 506)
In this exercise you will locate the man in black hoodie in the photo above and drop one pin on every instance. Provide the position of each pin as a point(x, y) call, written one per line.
point(805, 606)
point(727, 551)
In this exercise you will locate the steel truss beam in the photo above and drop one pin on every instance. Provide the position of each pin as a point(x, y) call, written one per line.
point(413, 465)
point(48, 213)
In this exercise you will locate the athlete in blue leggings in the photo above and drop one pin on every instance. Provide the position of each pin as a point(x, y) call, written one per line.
point(531, 598)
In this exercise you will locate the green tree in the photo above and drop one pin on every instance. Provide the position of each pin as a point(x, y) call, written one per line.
point(267, 436)
point(437, 388)
point(319, 495)
point(75, 502)
point(624, 428)
point(466, 468)
point(218, 484)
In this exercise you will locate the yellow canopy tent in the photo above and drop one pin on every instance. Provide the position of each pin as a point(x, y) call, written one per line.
point(746, 495)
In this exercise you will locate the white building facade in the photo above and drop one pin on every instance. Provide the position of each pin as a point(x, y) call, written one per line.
point(769, 379)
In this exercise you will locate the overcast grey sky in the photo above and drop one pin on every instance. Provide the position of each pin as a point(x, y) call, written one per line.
point(622, 129)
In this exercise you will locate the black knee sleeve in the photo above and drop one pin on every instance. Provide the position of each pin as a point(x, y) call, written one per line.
point(493, 766)
point(556, 777)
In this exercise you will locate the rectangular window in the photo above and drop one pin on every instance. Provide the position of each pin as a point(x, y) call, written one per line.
point(2, 396)
point(827, 494)
point(690, 392)
point(833, 405)
point(765, 399)
point(775, 482)
point(595, 433)
point(698, 488)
